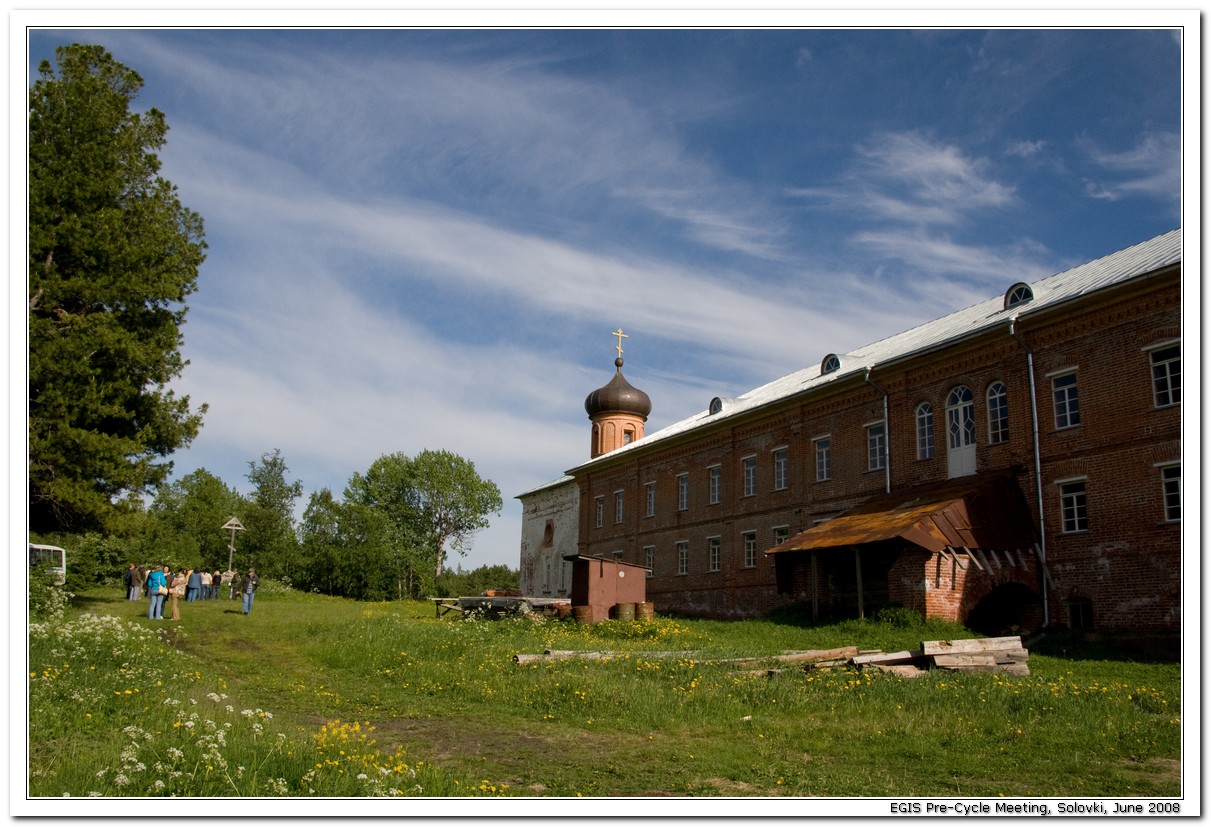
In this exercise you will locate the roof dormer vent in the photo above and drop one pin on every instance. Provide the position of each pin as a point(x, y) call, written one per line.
point(1020, 293)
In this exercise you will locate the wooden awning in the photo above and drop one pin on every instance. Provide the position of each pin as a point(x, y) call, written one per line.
point(966, 512)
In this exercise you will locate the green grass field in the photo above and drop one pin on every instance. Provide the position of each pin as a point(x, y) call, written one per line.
point(314, 696)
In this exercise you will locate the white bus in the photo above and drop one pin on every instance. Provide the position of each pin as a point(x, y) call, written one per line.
point(51, 559)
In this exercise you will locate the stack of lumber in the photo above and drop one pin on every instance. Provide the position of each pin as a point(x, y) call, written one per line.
point(1006, 655)
point(994, 654)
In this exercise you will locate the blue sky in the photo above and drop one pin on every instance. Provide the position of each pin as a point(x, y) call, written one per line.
point(424, 238)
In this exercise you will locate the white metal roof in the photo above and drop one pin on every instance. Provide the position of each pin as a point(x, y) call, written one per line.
point(1100, 274)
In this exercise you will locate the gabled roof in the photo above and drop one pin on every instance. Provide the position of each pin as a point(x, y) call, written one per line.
point(1115, 269)
point(966, 512)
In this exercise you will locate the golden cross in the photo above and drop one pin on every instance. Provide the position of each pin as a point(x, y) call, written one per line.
point(620, 336)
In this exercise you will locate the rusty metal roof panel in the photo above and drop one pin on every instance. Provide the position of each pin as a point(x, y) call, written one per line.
point(967, 512)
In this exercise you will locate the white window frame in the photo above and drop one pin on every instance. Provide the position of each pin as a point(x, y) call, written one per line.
point(749, 470)
point(619, 500)
point(650, 499)
point(714, 484)
point(998, 412)
point(1172, 379)
point(600, 503)
point(714, 556)
point(1171, 490)
point(876, 445)
point(750, 549)
point(781, 467)
point(683, 557)
point(649, 557)
point(924, 422)
point(1074, 505)
point(823, 449)
point(1066, 399)
point(683, 491)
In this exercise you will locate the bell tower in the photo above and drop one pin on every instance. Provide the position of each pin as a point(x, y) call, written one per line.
point(617, 410)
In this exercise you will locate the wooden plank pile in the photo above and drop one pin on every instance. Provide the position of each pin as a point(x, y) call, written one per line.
point(1005, 655)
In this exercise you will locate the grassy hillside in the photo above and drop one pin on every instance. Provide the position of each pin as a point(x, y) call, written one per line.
point(320, 696)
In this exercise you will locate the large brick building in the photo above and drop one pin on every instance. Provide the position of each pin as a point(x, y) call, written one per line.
point(1014, 463)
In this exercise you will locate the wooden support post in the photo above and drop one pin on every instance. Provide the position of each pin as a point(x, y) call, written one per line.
point(815, 588)
point(858, 571)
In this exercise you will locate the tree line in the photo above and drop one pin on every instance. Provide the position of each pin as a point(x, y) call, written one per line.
point(387, 537)
point(113, 256)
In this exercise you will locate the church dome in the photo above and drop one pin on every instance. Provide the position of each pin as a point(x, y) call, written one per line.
point(618, 396)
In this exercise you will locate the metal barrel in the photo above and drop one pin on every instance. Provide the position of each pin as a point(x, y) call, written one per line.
point(624, 611)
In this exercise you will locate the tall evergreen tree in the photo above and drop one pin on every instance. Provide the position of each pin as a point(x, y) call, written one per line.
point(113, 254)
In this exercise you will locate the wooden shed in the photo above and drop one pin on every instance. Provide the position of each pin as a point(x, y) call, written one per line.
point(602, 584)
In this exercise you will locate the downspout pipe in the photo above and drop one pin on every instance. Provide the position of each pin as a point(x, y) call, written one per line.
point(886, 435)
point(1038, 469)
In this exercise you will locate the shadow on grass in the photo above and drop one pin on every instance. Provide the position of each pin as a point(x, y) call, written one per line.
point(1132, 646)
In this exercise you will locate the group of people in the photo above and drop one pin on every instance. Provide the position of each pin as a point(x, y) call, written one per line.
point(160, 584)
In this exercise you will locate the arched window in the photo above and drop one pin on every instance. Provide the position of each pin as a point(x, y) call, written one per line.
point(998, 413)
point(924, 431)
point(1020, 293)
point(830, 364)
point(961, 432)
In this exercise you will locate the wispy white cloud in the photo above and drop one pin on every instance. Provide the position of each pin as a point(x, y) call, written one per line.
point(908, 178)
point(1151, 168)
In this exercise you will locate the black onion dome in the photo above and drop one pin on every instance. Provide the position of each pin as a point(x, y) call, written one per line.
point(618, 396)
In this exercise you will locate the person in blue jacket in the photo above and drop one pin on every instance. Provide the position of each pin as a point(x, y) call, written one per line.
point(193, 586)
point(156, 579)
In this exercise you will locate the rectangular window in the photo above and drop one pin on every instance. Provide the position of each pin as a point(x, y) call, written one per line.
point(683, 557)
point(649, 558)
point(1167, 376)
point(1067, 402)
point(998, 413)
point(713, 555)
point(650, 499)
point(1171, 487)
point(780, 465)
point(750, 476)
point(618, 499)
point(823, 458)
point(781, 534)
point(925, 431)
point(750, 549)
point(1073, 515)
point(876, 446)
point(683, 492)
point(600, 503)
point(715, 472)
